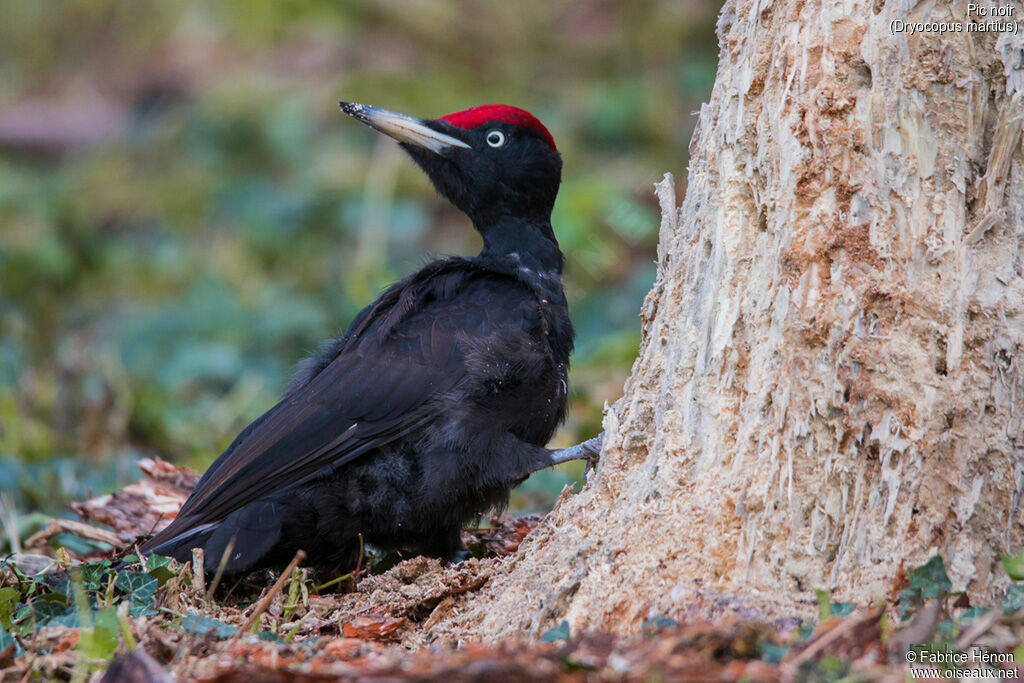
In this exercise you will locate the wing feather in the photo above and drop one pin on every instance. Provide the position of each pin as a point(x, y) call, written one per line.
point(379, 387)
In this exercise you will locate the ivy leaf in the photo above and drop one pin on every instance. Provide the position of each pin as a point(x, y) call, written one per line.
point(21, 613)
point(139, 587)
point(7, 640)
point(95, 575)
point(1013, 600)
point(54, 597)
point(772, 653)
point(805, 630)
point(927, 581)
point(9, 599)
point(974, 613)
point(68, 620)
point(560, 632)
point(841, 609)
point(160, 568)
point(827, 608)
point(200, 625)
point(658, 623)
point(47, 610)
point(1014, 565)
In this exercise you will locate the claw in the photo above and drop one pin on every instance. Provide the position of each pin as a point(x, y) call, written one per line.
point(588, 450)
point(593, 446)
point(458, 557)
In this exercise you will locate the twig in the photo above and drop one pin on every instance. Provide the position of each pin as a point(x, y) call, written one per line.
point(198, 570)
point(921, 629)
point(10, 522)
point(291, 634)
point(345, 577)
point(264, 603)
point(359, 562)
point(159, 518)
point(126, 626)
point(78, 529)
point(789, 667)
point(336, 579)
point(978, 628)
point(220, 568)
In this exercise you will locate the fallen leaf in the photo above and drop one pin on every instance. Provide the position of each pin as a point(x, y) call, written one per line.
point(373, 627)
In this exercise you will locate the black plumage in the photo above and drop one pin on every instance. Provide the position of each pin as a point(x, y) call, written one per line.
point(437, 400)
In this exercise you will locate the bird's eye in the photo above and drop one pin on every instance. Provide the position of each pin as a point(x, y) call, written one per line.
point(495, 138)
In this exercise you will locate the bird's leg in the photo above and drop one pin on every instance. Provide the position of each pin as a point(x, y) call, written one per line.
point(448, 546)
point(515, 460)
point(458, 557)
point(588, 450)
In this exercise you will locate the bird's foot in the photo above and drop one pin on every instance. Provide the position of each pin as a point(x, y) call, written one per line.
point(588, 450)
point(458, 557)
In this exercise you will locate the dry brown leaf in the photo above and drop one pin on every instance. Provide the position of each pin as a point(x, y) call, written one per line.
point(145, 506)
point(373, 627)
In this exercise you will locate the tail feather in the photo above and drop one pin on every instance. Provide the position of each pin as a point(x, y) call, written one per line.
point(241, 541)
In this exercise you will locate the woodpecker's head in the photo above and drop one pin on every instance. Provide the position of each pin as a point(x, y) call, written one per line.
point(491, 162)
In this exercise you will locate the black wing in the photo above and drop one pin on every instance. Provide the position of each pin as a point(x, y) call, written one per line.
point(401, 353)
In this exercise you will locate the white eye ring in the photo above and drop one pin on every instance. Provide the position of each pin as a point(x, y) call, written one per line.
point(495, 138)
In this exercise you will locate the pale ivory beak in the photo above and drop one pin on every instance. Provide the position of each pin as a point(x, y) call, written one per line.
point(402, 128)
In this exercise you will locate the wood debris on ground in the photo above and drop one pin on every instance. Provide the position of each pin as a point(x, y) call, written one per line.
point(379, 625)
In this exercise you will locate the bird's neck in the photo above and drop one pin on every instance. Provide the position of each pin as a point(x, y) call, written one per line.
point(528, 242)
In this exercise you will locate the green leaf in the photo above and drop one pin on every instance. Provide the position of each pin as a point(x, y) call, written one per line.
point(100, 641)
point(1013, 600)
point(828, 667)
point(1014, 565)
point(160, 568)
point(843, 608)
point(571, 665)
point(139, 587)
point(974, 612)
point(7, 640)
point(45, 610)
point(9, 599)
point(95, 574)
point(824, 603)
point(928, 581)
point(772, 653)
point(69, 619)
point(560, 632)
point(658, 623)
point(200, 625)
point(21, 613)
point(805, 630)
point(827, 608)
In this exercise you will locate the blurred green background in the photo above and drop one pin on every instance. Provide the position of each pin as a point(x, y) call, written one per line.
point(185, 214)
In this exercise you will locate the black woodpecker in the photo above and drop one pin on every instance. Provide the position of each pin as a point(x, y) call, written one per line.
point(439, 398)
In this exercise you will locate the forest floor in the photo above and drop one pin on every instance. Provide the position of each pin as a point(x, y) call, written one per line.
point(155, 620)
